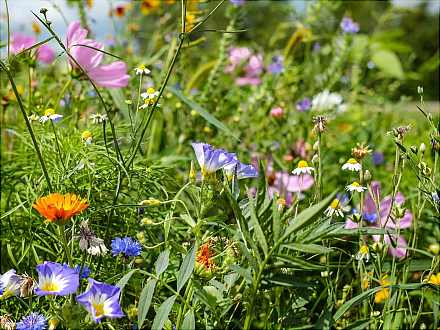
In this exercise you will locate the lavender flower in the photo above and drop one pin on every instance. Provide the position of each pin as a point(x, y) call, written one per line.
point(349, 26)
point(9, 284)
point(101, 300)
point(56, 279)
point(276, 67)
point(33, 321)
point(304, 105)
point(237, 3)
point(243, 171)
point(210, 159)
point(126, 246)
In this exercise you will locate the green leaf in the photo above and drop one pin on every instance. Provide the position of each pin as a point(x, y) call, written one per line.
point(307, 216)
point(162, 313)
point(145, 301)
point(256, 226)
point(189, 322)
point(298, 263)
point(354, 301)
point(162, 262)
point(187, 268)
point(124, 280)
point(119, 99)
point(308, 248)
point(388, 62)
point(202, 112)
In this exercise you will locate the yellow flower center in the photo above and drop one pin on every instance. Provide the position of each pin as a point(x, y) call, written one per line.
point(99, 309)
point(150, 90)
point(335, 204)
point(86, 134)
point(50, 286)
point(352, 161)
point(49, 112)
point(302, 164)
point(141, 67)
point(363, 249)
point(355, 184)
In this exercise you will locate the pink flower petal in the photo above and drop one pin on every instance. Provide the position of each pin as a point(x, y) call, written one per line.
point(113, 75)
point(20, 42)
point(45, 54)
point(350, 224)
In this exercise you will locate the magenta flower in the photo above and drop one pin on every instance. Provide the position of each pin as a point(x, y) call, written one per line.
point(20, 42)
point(112, 75)
point(277, 112)
point(385, 218)
point(252, 71)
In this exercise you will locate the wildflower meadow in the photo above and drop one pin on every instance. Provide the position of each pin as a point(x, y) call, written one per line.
point(219, 164)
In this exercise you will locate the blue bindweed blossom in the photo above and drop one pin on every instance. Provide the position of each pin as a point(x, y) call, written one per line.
point(9, 284)
point(210, 159)
point(127, 246)
point(56, 279)
point(276, 66)
point(349, 26)
point(244, 171)
point(101, 300)
point(304, 105)
point(33, 321)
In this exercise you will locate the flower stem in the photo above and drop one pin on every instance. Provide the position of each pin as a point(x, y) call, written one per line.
point(65, 244)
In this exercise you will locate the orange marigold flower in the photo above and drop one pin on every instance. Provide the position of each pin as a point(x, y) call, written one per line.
point(384, 293)
point(60, 208)
point(204, 257)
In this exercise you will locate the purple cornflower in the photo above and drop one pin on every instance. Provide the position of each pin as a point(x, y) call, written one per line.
point(243, 171)
point(349, 26)
point(210, 159)
point(101, 300)
point(276, 67)
point(378, 158)
point(304, 105)
point(237, 2)
point(56, 279)
point(126, 246)
point(33, 321)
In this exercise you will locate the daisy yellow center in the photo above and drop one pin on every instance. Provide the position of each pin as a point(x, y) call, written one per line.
point(50, 286)
point(355, 184)
point(49, 112)
point(86, 134)
point(352, 161)
point(150, 90)
point(141, 67)
point(302, 164)
point(99, 309)
point(363, 249)
point(335, 204)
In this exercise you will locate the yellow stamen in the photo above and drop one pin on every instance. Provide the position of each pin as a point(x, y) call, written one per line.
point(302, 164)
point(86, 135)
point(335, 204)
point(363, 249)
point(352, 161)
point(150, 90)
point(50, 286)
point(355, 184)
point(99, 309)
point(49, 112)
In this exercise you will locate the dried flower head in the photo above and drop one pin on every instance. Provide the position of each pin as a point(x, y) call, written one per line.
point(88, 240)
point(6, 322)
point(204, 257)
point(320, 123)
point(27, 285)
point(399, 132)
point(360, 151)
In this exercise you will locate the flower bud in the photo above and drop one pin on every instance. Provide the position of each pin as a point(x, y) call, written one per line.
point(316, 146)
point(434, 248)
point(419, 89)
point(367, 176)
point(150, 202)
point(53, 323)
point(146, 222)
point(422, 147)
point(192, 173)
point(315, 158)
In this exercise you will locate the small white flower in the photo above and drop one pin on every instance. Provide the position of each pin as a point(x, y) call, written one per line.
point(50, 114)
point(98, 118)
point(142, 69)
point(335, 208)
point(302, 168)
point(150, 94)
point(328, 101)
point(355, 186)
point(352, 165)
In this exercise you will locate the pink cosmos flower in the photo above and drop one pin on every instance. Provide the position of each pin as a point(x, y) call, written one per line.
point(112, 75)
point(384, 217)
point(247, 65)
point(277, 112)
point(20, 42)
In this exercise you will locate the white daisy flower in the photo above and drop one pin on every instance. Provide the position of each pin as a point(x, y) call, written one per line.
point(328, 101)
point(355, 186)
point(98, 118)
point(352, 165)
point(150, 94)
point(50, 114)
point(363, 253)
point(142, 69)
point(335, 208)
point(302, 168)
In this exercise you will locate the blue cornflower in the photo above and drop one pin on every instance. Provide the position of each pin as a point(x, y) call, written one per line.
point(378, 158)
point(85, 271)
point(304, 105)
point(33, 321)
point(370, 217)
point(276, 66)
point(126, 246)
point(349, 26)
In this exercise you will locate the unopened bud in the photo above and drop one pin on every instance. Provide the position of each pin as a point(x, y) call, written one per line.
point(146, 221)
point(422, 147)
point(434, 248)
point(316, 146)
point(192, 173)
point(150, 202)
point(367, 176)
point(315, 158)
point(420, 89)
point(53, 323)
point(43, 11)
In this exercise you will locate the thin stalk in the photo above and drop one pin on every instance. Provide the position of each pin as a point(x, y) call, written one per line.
point(65, 244)
point(8, 27)
point(28, 125)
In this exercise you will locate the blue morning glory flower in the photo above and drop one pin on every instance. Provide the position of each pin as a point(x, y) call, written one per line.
point(349, 26)
point(33, 321)
point(126, 246)
point(210, 159)
point(304, 105)
point(56, 279)
point(101, 300)
point(244, 171)
point(9, 284)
